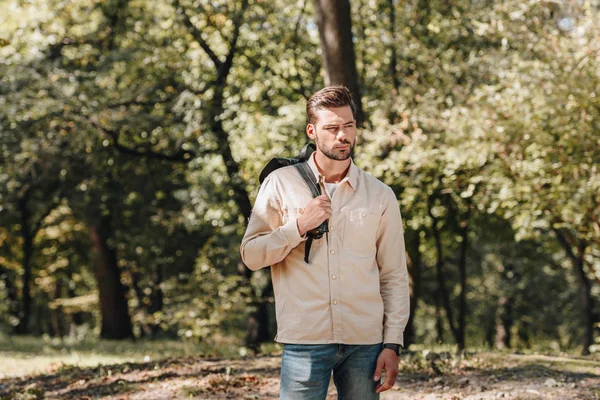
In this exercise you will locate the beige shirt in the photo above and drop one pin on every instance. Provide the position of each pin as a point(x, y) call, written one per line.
point(355, 288)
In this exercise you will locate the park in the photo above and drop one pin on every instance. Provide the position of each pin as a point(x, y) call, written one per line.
point(133, 134)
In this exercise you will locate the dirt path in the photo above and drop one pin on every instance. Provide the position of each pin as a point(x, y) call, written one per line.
point(432, 376)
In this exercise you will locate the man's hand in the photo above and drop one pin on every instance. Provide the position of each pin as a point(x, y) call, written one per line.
point(317, 211)
point(388, 361)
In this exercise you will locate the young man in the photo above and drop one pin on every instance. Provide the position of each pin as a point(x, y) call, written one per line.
point(346, 309)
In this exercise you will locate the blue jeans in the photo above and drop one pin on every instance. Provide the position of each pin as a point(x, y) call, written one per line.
point(306, 370)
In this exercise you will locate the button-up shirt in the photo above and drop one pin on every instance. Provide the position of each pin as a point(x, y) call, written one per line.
point(354, 290)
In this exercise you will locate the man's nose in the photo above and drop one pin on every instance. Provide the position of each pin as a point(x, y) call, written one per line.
point(341, 135)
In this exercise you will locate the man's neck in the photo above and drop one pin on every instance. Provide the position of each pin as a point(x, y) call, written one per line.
point(332, 170)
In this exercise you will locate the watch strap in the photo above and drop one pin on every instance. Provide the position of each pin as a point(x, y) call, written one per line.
point(393, 346)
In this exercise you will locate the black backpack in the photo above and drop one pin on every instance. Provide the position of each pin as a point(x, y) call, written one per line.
point(305, 172)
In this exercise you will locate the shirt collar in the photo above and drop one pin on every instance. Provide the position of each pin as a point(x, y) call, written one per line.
point(351, 177)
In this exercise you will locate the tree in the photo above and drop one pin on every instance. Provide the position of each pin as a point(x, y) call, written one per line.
point(337, 48)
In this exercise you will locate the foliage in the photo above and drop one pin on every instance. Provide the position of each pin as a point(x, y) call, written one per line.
point(482, 116)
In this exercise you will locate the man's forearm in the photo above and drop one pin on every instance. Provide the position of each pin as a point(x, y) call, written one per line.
point(260, 250)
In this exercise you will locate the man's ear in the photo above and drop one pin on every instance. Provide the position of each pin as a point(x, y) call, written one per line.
point(310, 131)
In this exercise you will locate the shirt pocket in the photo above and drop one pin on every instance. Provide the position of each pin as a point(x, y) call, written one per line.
point(360, 232)
point(292, 214)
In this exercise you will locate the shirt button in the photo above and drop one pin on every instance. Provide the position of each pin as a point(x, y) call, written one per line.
point(332, 252)
point(335, 302)
point(330, 228)
point(363, 214)
point(333, 277)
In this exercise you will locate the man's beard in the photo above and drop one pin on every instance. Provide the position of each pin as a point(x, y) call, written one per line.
point(337, 155)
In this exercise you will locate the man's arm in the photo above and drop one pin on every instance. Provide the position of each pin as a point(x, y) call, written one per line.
point(393, 274)
point(267, 241)
point(393, 284)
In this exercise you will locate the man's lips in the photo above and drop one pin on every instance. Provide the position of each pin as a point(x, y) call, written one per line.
point(342, 147)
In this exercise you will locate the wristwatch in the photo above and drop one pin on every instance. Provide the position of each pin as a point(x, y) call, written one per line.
point(393, 346)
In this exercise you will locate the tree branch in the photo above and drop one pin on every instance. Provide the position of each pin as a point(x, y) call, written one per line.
point(266, 67)
point(195, 32)
point(565, 244)
point(237, 23)
point(183, 156)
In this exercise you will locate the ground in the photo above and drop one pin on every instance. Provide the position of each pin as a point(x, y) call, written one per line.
point(423, 375)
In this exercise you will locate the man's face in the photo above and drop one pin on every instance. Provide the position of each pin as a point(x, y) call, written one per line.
point(334, 132)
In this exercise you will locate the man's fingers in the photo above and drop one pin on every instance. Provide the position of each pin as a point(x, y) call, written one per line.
point(383, 387)
point(390, 379)
point(378, 369)
point(323, 199)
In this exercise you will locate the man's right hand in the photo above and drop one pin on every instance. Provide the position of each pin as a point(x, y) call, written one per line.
point(317, 211)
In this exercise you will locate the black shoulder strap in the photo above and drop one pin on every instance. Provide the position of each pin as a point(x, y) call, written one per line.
point(308, 176)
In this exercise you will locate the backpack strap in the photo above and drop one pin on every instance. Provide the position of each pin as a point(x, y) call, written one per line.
point(308, 176)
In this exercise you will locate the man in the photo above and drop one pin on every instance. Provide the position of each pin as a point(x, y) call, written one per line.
point(346, 309)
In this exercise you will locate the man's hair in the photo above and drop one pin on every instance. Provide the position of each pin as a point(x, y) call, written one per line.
point(329, 97)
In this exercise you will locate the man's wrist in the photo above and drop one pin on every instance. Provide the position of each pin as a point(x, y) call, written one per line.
point(302, 234)
point(393, 346)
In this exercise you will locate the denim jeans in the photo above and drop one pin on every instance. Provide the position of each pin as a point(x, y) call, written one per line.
point(306, 370)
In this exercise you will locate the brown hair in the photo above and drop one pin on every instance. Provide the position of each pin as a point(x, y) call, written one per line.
point(329, 97)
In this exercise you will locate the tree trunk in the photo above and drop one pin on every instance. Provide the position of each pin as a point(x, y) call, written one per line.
point(56, 315)
point(504, 323)
point(25, 307)
point(585, 296)
point(335, 29)
point(257, 331)
point(116, 323)
point(524, 333)
point(462, 299)
point(240, 193)
point(504, 313)
point(139, 294)
point(258, 325)
point(585, 286)
point(441, 280)
point(9, 279)
point(490, 329)
point(215, 109)
point(414, 272)
point(156, 297)
point(76, 317)
point(439, 325)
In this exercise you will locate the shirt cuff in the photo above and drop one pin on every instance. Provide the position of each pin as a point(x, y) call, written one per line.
point(394, 336)
point(291, 233)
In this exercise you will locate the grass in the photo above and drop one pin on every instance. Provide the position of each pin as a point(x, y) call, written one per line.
point(26, 355)
point(176, 369)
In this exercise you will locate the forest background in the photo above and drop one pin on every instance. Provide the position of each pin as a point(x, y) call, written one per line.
point(132, 133)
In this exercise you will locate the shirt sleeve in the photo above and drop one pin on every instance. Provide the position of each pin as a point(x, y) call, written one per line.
point(267, 240)
point(393, 274)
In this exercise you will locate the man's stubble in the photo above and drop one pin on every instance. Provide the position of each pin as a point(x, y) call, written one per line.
point(333, 155)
